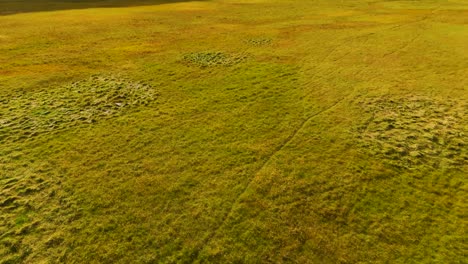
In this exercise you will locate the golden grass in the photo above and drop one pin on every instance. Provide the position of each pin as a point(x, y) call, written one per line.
point(265, 131)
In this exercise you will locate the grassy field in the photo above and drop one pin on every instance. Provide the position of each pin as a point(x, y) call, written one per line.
point(234, 131)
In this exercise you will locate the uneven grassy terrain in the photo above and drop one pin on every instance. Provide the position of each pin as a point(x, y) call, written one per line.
point(234, 131)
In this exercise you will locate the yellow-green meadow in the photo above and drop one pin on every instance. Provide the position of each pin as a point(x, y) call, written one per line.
point(233, 131)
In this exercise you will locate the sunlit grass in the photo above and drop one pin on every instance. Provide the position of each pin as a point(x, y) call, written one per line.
point(234, 131)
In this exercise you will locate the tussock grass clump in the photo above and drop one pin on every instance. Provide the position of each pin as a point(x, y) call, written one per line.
point(414, 131)
point(259, 41)
point(210, 59)
point(86, 101)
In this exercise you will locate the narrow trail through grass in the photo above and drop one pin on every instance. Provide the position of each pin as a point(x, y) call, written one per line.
point(270, 131)
point(265, 163)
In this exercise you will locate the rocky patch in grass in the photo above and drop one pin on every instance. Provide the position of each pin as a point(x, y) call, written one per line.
point(28, 114)
point(416, 131)
point(210, 59)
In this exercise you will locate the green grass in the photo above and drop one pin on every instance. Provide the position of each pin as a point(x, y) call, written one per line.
point(234, 132)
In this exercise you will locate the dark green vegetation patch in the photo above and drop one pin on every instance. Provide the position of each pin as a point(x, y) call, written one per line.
point(86, 101)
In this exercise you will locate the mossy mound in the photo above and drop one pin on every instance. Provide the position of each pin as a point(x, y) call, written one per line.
point(416, 131)
point(29, 114)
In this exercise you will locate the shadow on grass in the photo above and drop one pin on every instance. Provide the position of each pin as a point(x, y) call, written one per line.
point(8, 7)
